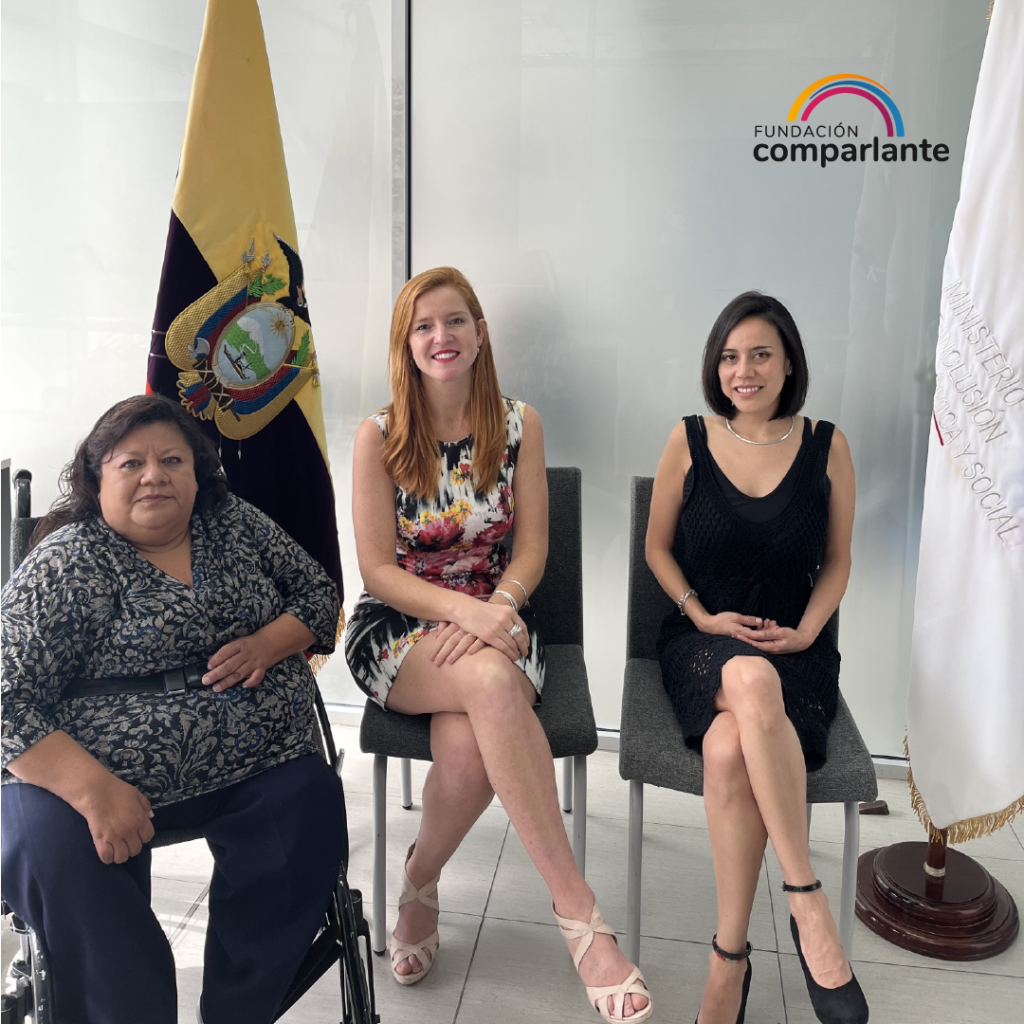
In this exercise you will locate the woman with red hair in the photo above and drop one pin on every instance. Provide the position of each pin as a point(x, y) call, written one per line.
point(444, 478)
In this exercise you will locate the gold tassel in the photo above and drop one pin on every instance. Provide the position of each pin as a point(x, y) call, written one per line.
point(959, 831)
point(317, 661)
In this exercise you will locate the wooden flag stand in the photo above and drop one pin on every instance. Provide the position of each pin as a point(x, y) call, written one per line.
point(935, 901)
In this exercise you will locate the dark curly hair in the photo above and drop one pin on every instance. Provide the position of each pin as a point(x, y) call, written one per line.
point(771, 311)
point(80, 479)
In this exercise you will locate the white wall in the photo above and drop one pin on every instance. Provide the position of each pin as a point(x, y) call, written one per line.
point(588, 164)
point(93, 109)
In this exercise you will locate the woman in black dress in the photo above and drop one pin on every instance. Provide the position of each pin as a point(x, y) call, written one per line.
point(750, 529)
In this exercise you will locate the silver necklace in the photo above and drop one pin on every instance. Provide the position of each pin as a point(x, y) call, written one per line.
point(778, 440)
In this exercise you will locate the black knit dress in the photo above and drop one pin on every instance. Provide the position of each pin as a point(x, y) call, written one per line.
point(765, 568)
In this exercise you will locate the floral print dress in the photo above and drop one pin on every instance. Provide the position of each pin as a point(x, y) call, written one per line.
point(459, 539)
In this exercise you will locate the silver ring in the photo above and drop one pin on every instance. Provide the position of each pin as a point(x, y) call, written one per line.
point(515, 630)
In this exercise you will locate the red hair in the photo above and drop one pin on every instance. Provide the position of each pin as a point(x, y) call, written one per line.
point(411, 448)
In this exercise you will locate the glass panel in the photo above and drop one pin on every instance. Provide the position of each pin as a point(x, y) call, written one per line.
point(590, 166)
point(94, 102)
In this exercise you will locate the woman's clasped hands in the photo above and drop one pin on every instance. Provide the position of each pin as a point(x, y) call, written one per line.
point(484, 622)
point(764, 634)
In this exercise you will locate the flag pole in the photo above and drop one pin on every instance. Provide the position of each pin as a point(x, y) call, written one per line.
point(935, 861)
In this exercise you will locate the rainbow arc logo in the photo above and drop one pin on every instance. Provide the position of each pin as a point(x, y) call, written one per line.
point(856, 85)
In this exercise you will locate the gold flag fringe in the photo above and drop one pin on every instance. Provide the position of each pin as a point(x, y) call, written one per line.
point(959, 831)
point(317, 661)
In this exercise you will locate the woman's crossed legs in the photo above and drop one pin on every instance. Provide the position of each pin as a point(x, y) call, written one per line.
point(485, 738)
point(755, 788)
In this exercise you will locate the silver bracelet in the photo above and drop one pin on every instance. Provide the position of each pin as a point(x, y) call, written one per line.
point(508, 597)
point(526, 596)
point(679, 604)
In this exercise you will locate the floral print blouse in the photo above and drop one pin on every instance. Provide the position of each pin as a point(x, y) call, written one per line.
point(85, 604)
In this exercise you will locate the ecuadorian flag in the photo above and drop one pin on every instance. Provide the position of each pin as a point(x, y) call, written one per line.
point(232, 336)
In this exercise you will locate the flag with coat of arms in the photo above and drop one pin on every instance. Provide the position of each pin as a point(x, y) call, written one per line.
point(232, 335)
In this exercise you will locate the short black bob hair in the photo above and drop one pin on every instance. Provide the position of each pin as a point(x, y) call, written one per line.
point(80, 481)
point(771, 311)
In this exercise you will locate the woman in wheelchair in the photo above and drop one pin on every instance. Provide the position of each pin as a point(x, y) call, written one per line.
point(144, 566)
point(749, 532)
point(444, 628)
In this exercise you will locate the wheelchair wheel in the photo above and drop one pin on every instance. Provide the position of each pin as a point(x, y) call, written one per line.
point(28, 994)
point(338, 942)
point(357, 995)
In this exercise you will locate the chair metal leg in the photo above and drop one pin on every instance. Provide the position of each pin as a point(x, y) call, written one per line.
point(847, 899)
point(406, 783)
point(634, 869)
point(567, 785)
point(579, 817)
point(380, 895)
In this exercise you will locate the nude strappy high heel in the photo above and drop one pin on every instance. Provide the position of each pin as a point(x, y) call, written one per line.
point(598, 994)
point(427, 895)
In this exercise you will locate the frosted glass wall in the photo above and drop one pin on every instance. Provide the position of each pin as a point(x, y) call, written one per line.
point(589, 165)
point(93, 108)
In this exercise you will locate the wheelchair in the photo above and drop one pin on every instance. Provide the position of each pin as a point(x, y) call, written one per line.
point(28, 986)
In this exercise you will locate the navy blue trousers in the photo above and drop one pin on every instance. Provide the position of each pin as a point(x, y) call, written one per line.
point(277, 841)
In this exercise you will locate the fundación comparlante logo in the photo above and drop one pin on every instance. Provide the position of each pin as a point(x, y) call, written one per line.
point(844, 150)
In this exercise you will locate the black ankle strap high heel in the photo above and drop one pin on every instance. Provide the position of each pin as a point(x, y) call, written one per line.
point(843, 1005)
point(734, 958)
point(813, 887)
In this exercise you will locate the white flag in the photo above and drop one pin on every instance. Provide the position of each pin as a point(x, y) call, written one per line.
point(965, 713)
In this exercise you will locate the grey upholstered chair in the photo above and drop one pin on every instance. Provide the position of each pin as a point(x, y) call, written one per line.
point(651, 747)
point(565, 711)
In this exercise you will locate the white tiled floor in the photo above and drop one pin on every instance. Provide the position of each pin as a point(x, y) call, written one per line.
point(502, 960)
